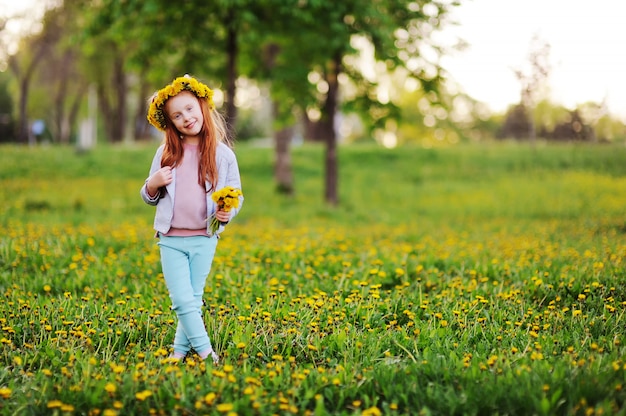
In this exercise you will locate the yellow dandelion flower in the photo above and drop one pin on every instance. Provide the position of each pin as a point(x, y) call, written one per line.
point(54, 404)
point(5, 392)
point(117, 369)
point(224, 407)
point(143, 395)
point(209, 398)
point(226, 199)
point(372, 411)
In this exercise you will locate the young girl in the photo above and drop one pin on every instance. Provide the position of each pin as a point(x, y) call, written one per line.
point(194, 162)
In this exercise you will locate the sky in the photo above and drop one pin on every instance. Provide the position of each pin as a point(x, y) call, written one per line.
point(587, 39)
point(587, 55)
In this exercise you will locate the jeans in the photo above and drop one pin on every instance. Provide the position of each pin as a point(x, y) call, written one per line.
point(186, 263)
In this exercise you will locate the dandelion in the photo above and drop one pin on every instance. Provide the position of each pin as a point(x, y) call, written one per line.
point(117, 369)
point(5, 392)
point(209, 398)
point(143, 395)
point(224, 407)
point(226, 199)
point(54, 404)
point(372, 411)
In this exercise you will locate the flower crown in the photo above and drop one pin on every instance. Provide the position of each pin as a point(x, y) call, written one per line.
point(156, 117)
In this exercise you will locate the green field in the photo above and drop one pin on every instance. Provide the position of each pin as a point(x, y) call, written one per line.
point(478, 279)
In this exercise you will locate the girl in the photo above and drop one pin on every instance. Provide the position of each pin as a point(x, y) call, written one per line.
point(194, 161)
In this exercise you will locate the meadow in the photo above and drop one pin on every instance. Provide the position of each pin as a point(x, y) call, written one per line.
point(477, 279)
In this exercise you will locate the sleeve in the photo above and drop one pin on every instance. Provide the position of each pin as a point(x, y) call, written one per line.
point(156, 165)
point(234, 179)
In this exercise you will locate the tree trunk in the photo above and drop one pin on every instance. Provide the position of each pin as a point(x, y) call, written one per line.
point(283, 172)
point(60, 122)
point(327, 125)
point(24, 83)
point(113, 106)
point(232, 50)
point(141, 130)
point(23, 131)
point(119, 84)
point(72, 117)
point(282, 168)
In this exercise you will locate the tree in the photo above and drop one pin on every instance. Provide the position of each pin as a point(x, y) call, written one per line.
point(23, 66)
point(400, 34)
point(174, 38)
point(62, 82)
point(533, 78)
point(7, 131)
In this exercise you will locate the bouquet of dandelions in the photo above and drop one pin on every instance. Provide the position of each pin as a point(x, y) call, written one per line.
point(226, 199)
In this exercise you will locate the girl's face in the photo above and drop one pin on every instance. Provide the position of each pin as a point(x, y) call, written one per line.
point(184, 111)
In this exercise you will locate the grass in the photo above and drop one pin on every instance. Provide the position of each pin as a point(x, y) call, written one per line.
point(468, 280)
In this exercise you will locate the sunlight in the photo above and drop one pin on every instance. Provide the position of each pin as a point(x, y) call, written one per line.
point(586, 42)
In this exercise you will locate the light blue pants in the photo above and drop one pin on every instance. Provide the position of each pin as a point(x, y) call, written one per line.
point(186, 263)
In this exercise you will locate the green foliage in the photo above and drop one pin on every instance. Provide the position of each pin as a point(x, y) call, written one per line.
point(465, 280)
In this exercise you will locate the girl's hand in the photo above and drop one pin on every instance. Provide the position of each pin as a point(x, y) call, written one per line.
point(160, 178)
point(222, 216)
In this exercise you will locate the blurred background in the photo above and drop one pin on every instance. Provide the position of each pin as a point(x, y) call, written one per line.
point(392, 73)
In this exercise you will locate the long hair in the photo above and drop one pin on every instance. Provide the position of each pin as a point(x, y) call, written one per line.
point(213, 132)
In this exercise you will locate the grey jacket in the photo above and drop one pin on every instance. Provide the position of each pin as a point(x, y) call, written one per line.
point(227, 175)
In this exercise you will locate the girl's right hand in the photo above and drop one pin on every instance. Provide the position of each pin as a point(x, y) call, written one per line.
point(160, 178)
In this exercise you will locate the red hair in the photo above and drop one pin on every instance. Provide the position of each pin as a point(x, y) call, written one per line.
point(213, 131)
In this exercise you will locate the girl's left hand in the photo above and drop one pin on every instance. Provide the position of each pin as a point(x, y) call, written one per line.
point(222, 216)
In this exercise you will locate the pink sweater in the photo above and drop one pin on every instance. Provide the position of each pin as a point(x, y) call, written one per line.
point(190, 200)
